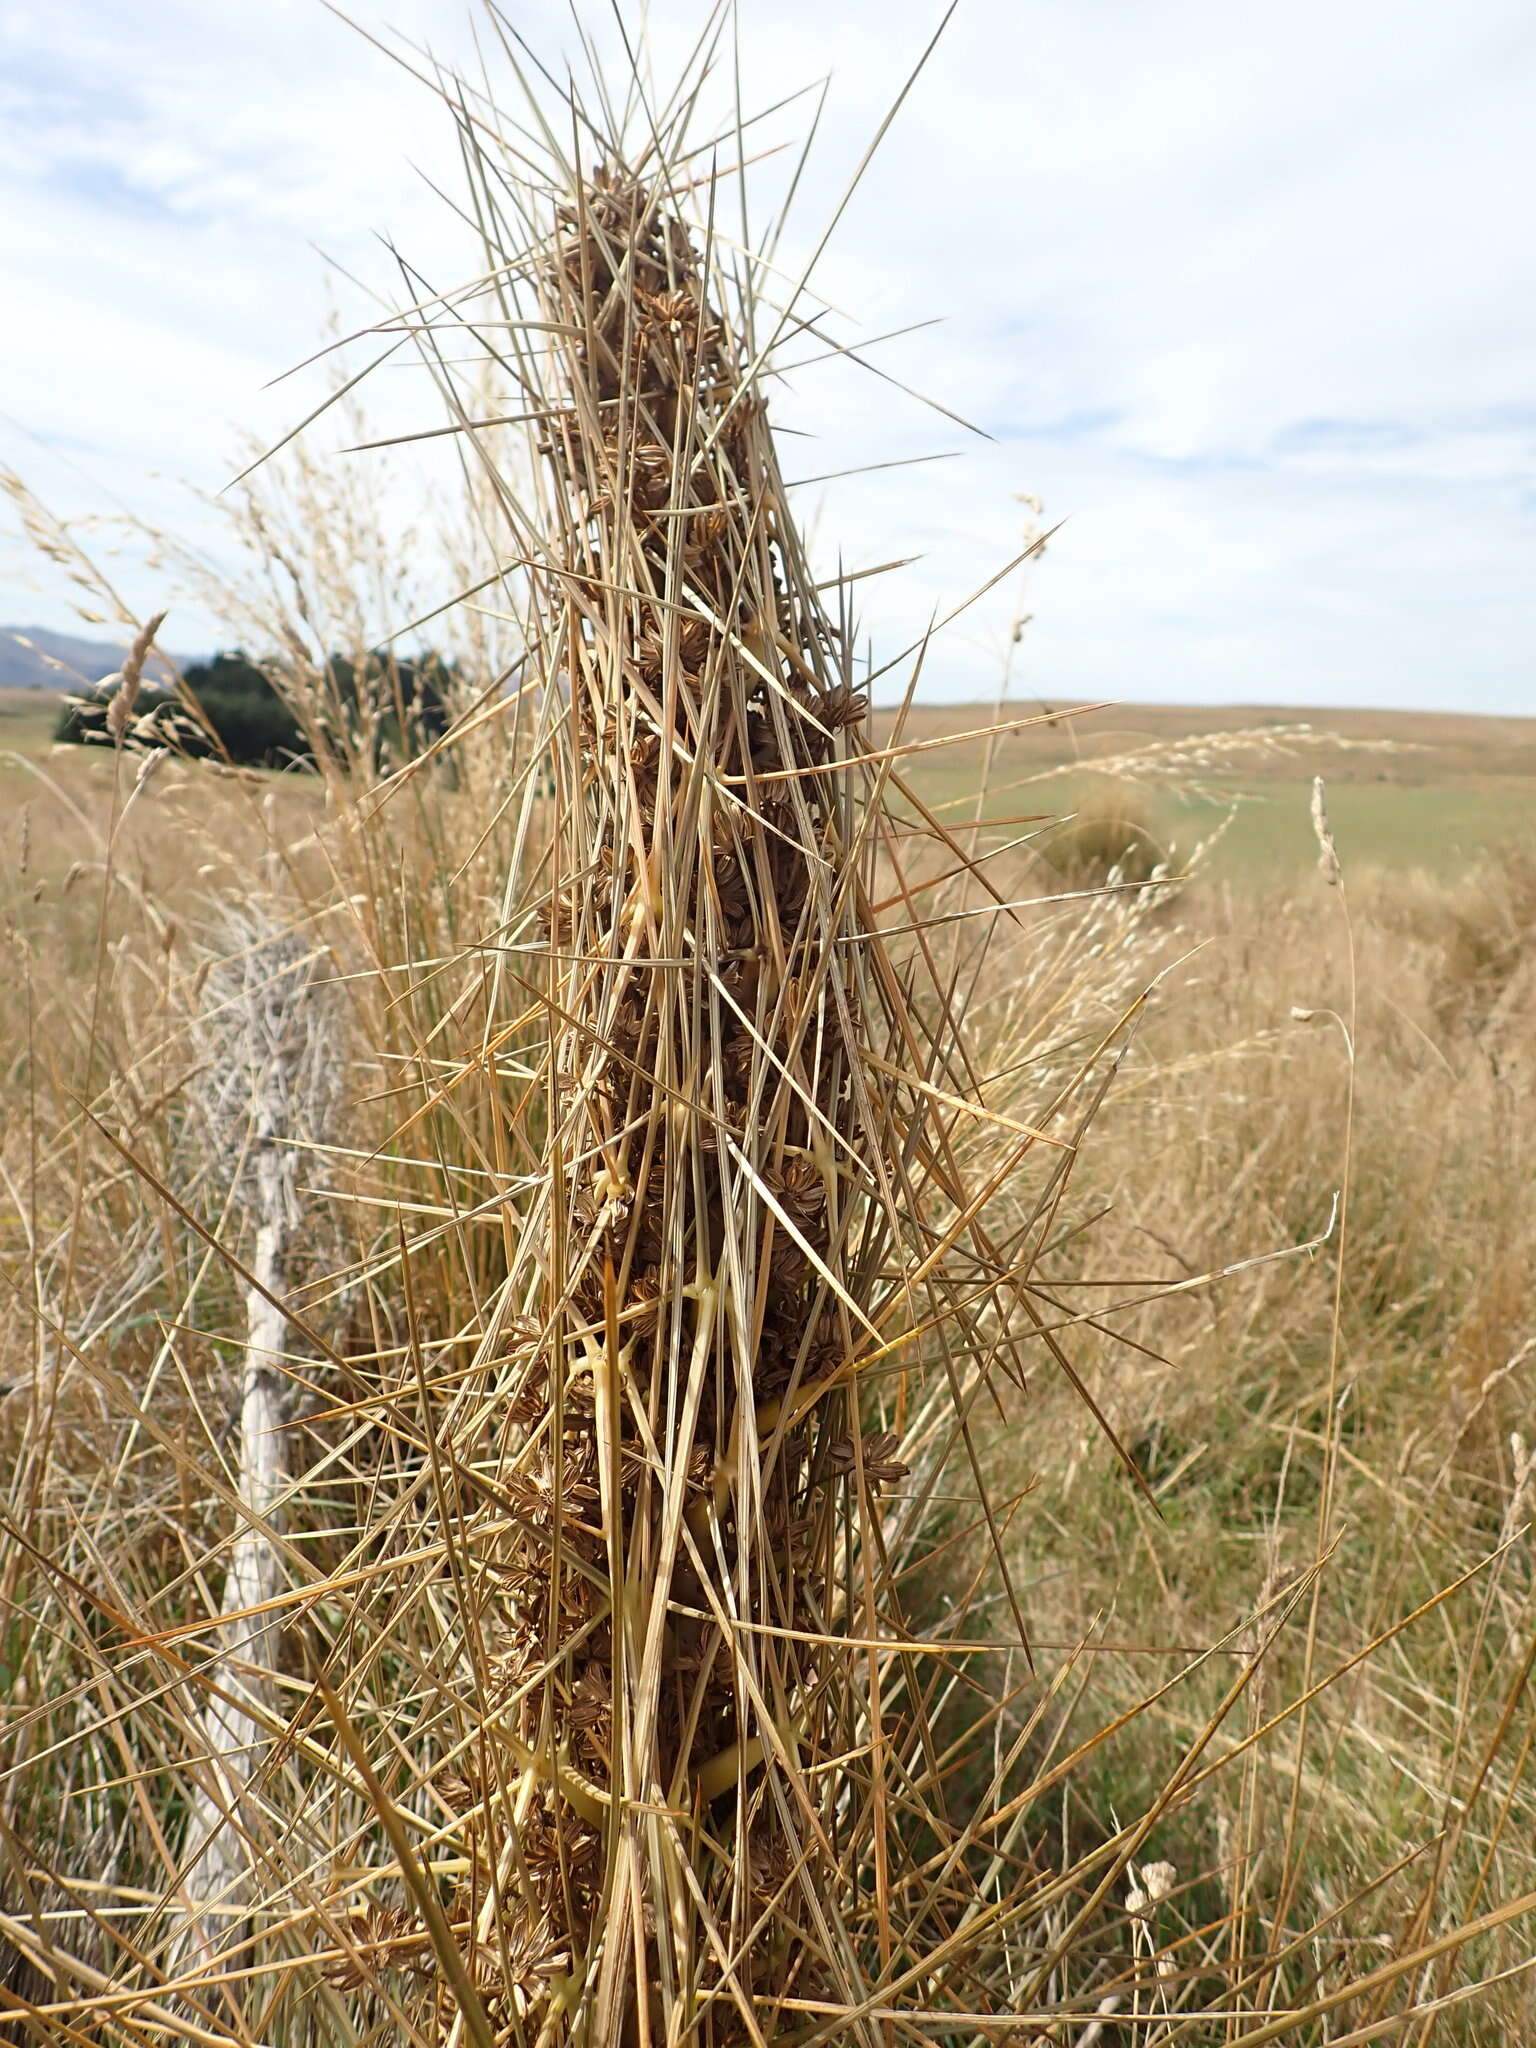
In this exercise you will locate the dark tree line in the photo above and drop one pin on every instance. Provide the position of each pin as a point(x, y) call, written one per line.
point(241, 717)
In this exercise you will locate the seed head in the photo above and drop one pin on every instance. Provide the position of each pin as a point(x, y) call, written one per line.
point(120, 710)
point(1328, 855)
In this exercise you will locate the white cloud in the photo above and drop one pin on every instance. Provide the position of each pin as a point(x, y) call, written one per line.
point(1244, 295)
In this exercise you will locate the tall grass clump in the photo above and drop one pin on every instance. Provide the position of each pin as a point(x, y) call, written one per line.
point(590, 1438)
point(1109, 836)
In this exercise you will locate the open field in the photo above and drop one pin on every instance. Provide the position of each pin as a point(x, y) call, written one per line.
point(27, 719)
point(1406, 789)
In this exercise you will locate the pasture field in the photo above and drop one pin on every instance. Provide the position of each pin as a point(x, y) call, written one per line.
point(27, 720)
point(1406, 789)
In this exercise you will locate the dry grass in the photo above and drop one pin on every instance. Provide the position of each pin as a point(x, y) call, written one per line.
point(1401, 1459)
point(843, 1475)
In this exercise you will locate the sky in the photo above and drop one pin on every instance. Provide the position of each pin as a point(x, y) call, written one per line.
point(1245, 297)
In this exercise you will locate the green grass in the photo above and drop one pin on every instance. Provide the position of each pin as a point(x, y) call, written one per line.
point(1405, 790)
point(1441, 827)
point(27, 720)
point(1437, 826)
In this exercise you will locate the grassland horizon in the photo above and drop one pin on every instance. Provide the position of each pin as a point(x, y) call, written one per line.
point(1408, 788)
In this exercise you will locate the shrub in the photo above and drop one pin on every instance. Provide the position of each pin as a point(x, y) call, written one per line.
point(1110, 835)
point(231, 706)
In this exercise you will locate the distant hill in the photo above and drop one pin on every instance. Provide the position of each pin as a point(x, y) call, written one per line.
point(30, 668)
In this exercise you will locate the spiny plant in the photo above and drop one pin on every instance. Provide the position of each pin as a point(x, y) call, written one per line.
point(681, 1805)
point(725, 1240)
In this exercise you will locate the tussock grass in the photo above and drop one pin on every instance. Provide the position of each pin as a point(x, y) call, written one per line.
point(1110, 836)
point(842, 1477)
